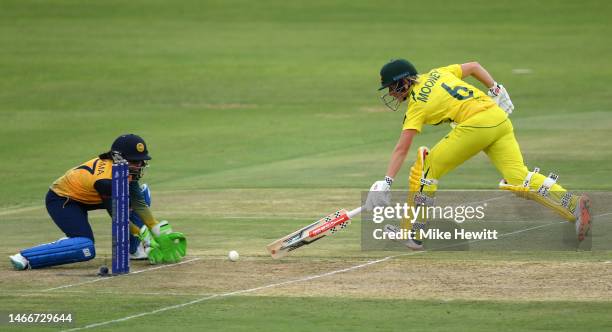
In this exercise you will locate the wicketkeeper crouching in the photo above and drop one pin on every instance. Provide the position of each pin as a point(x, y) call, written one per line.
point(89, 187)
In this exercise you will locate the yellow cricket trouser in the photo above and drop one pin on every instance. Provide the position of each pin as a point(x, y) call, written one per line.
point(489, 131)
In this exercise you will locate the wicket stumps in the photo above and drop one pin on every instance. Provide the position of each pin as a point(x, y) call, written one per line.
point(120, 216)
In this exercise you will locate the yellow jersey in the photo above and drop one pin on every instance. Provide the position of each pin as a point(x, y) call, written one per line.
point(442, 96)
point(90, 183)
point(78, 183)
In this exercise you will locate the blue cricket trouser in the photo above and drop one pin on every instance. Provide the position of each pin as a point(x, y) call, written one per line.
point(70, 216)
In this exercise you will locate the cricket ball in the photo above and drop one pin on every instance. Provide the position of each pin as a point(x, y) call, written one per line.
point(233, 255)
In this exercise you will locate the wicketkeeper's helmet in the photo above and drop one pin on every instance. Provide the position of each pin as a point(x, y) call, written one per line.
point(131, 147)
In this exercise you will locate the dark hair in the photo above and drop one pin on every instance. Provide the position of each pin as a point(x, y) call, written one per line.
point(106, 155)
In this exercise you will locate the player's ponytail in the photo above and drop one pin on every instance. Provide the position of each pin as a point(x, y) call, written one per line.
point(115, 156)
point(106, 155)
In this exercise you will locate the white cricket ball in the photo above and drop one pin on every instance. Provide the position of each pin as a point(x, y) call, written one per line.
point(233, 255)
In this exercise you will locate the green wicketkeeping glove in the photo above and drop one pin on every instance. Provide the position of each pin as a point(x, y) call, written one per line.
point(180, 242)
point(173, 246)
point(151, 246)
point(155, 256)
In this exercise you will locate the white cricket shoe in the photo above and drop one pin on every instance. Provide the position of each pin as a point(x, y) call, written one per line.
point(583, 216)
point(140, 254)
point(409, 243)
point(19, 262)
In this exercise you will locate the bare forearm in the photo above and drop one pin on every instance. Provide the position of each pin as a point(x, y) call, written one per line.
point(397, 160)
point(478, 71)
point(399, 153)
point(484, 77)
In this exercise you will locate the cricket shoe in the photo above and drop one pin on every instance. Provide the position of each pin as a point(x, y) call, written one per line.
point(409, 243)
point(140, 253)
point(19, 262)
point(583, 216)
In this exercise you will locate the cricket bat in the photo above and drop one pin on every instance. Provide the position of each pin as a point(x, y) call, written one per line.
point(313, 232)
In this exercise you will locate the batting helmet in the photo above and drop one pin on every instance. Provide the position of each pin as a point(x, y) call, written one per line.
point(394, 71)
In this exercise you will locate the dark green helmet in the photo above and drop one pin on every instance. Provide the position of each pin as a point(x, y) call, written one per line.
point(394, 71)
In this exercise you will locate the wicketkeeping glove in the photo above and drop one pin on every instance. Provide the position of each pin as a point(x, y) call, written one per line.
point(173, 245)
point(499, 94)
point(151, 246)
point(380, 194)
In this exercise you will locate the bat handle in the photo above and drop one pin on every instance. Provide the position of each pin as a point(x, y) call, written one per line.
point(354, 212)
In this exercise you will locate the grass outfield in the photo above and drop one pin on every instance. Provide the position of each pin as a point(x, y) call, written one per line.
point(338, 314)
point(262, 116)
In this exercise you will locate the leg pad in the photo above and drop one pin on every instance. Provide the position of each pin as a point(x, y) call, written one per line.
point(62, 251)
point(542, 195)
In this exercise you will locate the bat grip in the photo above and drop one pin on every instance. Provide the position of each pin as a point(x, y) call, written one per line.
point(354, 212)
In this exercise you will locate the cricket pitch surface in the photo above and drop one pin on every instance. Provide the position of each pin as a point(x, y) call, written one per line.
point(207, 288)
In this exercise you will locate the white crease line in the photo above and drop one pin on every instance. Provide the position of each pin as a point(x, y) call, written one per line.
point(520, 231)
point(528, 229)
point(250, 290)
point(486, 200)
point(288, 282)
point(28, 293)
point(121, 275)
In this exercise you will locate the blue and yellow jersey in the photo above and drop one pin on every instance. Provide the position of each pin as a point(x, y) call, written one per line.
point(79, 183)
point(442, 96)
point(91, 183)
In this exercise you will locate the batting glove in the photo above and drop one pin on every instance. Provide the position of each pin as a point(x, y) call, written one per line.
point(380, 194)
point(499, 94)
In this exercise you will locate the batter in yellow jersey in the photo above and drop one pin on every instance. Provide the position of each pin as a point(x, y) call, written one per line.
point(480, 122)
point(441, 96)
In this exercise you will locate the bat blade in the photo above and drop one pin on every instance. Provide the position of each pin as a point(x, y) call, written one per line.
point(311, 233)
